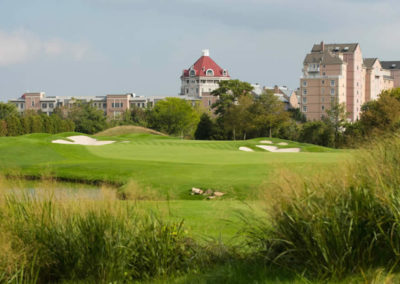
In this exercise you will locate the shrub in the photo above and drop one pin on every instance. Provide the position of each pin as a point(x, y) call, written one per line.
point(345, 223)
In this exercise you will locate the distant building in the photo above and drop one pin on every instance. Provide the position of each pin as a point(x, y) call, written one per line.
point(394, 68)
point(201, 79)
point(285, 95)
point(338, 73)
point(113, 105)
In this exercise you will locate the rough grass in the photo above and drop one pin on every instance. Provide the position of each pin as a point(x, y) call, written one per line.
point(342, 223)
point(128, 129)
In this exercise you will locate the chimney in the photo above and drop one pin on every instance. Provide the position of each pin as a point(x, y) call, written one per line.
point(322, 46)
point(205, 52)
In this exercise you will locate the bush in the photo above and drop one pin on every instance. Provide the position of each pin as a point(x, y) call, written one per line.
point(346, 223)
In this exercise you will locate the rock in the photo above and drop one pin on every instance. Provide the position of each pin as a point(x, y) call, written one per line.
point(208, 192)
point(197, 191)
point(218, 194)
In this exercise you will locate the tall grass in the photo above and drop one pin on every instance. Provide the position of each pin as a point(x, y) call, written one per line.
point(49, 239)
point(347, 221)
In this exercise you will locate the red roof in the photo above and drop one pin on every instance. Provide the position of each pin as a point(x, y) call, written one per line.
point(203, 64)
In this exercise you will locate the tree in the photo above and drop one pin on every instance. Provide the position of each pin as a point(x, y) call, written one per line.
point(3, 127)
point(337, 119)
point(13, 125)
point(87, 119)
point(381, 115)
point(174, 116)
point(229, 92)
point(270, 113)
point(317, 132)
point(205, 128)
point(7, 110)
point(238, 117)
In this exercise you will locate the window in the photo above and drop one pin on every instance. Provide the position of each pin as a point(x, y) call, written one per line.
point(112, 105)
point(192, 73)
point(51, 105)
point(322, 90)
point(44, 105)
point(332, 91)
point(304, 91)
point(187, 81)
point(322, 107)
point(323, 73)
point(104, 105)
point(324, 66)
point(187, 91)
point(332, 82)
point(33, 103)
point(323, 82)
point(203, 81)
point(142, 104)
point(304, 100)
point(305, 83)
point(197, 90)
point(304, 108)
point(209, 102)
point(323, 99)
point(224, 72)
point(210, 72)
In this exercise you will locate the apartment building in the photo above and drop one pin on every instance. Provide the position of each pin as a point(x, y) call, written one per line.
point(201, 78)
point(376, 79)
point(394, 68)
point(113, 105)
point(337, 73)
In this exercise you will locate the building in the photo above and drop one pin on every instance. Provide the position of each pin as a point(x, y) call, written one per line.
point(113, 105)
point(285, 95)
point(376, 79)
point(201, 79)
point(337, 73)
point(394, 68)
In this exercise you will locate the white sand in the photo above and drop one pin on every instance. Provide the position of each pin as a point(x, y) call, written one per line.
point(246, 149)
point(82, 140)
point(283, 143)
point(266, 142)
point(276, 150)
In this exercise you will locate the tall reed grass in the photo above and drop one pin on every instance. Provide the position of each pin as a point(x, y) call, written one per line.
point(345, 221)
point(47, 238)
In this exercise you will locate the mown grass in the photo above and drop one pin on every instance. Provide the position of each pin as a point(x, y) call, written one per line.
point(167, 166)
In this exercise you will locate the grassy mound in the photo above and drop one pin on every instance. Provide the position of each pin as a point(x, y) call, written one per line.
point(128, 129)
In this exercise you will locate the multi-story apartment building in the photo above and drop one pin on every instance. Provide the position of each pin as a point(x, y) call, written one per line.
point(112, 105)
point(337, 73)
point(376, 79)
point(202, 78)
point(394, 68)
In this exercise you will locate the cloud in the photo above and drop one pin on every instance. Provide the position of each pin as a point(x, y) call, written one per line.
point(21, 46)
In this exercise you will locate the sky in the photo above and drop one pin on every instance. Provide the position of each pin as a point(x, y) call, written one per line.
point(99, 47)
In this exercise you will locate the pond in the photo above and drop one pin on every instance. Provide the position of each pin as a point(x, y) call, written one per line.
point(55, 189)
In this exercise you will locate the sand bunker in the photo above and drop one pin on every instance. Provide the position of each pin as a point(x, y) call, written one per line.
point(266, 142)
point(82, 140)
point(283, 143)
point(276, 150)
point(246, 149)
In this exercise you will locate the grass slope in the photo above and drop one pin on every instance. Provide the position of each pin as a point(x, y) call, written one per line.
point(166, 165)
point(128, 129)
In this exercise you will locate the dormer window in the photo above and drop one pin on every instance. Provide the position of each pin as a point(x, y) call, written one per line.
point(210, 72)
point(224, 72)
point(192, 73)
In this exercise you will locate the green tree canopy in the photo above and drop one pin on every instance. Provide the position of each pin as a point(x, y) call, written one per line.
point(174, 116)
point(7, 109)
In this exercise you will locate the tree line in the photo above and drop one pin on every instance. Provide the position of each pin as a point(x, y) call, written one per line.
point(238, 114)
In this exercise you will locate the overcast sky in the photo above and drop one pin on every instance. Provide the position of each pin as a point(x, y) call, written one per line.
point(95, 47)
